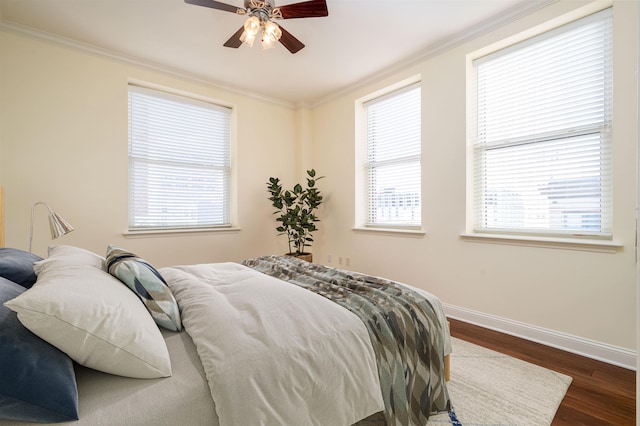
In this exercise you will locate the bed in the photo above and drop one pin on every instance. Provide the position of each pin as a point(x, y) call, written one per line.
point(271, 340)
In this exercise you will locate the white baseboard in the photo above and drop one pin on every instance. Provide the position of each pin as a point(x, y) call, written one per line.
point(590, 348)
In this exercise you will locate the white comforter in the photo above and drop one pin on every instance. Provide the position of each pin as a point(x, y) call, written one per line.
point(274, 353)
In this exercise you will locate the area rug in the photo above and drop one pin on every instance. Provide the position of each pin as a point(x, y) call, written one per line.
point(490, 388)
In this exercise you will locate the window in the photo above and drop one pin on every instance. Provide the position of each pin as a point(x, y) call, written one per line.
point(391, 164)
point(179, 162)
point(541, 134)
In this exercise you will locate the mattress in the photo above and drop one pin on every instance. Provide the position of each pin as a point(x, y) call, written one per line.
point(182, 399)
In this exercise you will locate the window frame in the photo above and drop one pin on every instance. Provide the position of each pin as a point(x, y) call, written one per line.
point(605, 241)
point(361, 179)
point(230, 196)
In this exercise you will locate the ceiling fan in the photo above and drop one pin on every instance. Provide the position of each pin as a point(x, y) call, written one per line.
point(260, 20)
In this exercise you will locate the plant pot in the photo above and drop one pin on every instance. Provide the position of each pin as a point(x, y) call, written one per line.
point(303, 256)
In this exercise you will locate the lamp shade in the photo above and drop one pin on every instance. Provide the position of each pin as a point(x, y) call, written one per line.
point(270, 34)
point(251, 29)
point(57, 225)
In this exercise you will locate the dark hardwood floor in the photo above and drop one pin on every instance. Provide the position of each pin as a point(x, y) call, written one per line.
point(600, 393)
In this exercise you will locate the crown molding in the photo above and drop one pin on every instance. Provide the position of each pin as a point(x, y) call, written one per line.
point(436, 48)
point(485, 27)
point(135, 61)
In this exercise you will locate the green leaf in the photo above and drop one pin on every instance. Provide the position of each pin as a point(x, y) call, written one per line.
point(295, 210)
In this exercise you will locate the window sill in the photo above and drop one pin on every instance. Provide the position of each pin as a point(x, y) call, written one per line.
point(413, 233)
point(178, 232)
point(602, 246)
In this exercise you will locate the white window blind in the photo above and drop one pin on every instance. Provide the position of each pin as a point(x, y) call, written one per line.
point(393, 167)
point(542, 149)
point(179, 162)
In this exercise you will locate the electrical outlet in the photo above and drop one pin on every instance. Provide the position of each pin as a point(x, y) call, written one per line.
point(340, 260)
point(348, 261)
point(329, 258)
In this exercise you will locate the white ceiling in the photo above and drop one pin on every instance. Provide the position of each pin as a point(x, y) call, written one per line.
point(359, 38)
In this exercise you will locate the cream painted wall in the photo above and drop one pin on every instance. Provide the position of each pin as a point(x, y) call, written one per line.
point(589, 295)
point(63, 139)
point(304, 138)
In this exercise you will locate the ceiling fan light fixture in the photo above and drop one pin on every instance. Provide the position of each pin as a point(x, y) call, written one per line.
point(260, 14)
point(271, 33)
point(248, 39)
point(251, 29)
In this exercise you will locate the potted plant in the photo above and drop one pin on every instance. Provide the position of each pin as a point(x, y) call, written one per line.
point(295, 209)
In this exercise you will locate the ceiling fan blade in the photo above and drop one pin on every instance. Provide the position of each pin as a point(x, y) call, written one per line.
point(216, 5)
point(292, 44)
point(305, 9)
point(234, 41)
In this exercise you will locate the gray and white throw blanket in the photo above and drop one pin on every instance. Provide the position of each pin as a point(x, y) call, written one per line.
point(403, 327)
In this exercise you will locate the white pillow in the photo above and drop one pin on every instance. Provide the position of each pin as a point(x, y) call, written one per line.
point(61, 256)
point(96, 320)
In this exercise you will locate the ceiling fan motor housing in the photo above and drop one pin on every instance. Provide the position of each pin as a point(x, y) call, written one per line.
point(250, 4)
point(262, 9)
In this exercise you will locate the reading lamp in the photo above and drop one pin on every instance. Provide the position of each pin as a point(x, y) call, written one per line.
point(57, 224)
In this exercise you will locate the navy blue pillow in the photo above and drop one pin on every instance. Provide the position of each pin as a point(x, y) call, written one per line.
point(37, 382)
point(17, 266)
